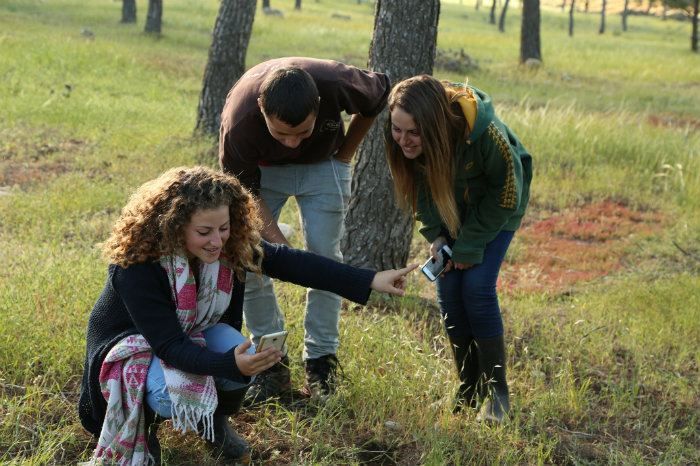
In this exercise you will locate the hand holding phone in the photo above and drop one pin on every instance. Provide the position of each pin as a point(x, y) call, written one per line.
point(275, 340)
point(432, 268)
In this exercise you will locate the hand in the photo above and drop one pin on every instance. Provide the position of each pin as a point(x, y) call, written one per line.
point(462, 265)
point(439, 242)
point(392, 281)
point(253, 364)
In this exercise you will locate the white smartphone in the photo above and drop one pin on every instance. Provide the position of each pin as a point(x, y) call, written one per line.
point(432, 268)
point(275, 340)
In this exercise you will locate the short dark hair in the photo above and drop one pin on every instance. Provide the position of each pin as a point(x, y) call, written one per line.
point(289, 94)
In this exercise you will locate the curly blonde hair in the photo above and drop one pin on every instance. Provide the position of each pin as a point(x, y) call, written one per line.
point(152, 223)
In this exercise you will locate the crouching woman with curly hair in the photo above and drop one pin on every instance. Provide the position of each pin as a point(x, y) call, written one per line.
point(163, 340)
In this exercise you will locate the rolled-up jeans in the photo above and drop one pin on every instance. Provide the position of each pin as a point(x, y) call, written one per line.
point(220, 338)
point(468, 299)
point(322, 191)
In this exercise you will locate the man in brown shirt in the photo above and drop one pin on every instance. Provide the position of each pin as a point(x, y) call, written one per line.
point(282, 134)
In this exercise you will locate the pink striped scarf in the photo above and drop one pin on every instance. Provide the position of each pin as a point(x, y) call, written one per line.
point(124, 370)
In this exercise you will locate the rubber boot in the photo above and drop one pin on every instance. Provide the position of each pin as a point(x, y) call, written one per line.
point(492, 360)
point(466, 360)
point(152, 421)
point(226, 440)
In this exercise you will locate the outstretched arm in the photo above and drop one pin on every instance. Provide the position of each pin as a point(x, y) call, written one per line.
point(392, 281)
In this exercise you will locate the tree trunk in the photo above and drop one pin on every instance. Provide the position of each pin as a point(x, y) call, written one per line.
point(128, 11)
point(154, 17)
point(266, 3)
point(694, 34)
point(502, 19)
point(530, 31)
point(492, 15)
point(602, 18)
point(378, 234)
point(571, 19)
point(226, 62)
point(297, 4)
point(625, 10)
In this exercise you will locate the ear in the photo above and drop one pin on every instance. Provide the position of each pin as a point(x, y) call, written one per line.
point(260, 105)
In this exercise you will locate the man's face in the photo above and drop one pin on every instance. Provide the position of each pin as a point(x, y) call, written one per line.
point(290, 136)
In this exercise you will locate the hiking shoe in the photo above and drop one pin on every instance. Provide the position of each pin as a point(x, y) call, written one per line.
point(320, 377)
point(270, 383)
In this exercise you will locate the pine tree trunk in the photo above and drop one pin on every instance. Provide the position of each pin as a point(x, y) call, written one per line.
point(128, 11)
point(502, 19)
point(530, 31)
point(226, 62)
point(378, 234)
point(571, 19)
point(154, 17)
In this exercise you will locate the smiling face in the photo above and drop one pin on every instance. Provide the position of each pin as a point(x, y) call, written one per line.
point(406, 133)
point(206, 233)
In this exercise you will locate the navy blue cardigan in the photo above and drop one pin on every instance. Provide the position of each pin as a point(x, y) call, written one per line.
point(138, 299)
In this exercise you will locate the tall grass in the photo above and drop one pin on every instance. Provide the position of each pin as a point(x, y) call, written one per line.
point(606, 373)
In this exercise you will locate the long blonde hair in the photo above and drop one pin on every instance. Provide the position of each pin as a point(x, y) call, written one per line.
point(152, 223)
point(441, 129)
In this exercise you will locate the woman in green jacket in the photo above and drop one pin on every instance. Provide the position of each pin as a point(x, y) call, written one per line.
point(466, 177)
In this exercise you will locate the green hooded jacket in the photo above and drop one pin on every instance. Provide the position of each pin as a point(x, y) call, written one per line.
point(492, 185)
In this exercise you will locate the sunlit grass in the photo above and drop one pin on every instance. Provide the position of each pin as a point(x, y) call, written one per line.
point(606, 373)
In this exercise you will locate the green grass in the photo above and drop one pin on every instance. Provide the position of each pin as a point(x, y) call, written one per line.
point(605, 373)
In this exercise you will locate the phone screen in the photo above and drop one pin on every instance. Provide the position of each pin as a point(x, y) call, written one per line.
point(432, 268)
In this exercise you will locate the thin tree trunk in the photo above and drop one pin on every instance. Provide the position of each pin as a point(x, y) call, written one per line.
point(128, 11)
point(154, 17)
point(530, 31)
point(378, 233)
point(571, 19)
point(297, 4)
point(602, 18)
point(492, 16)
point(625, 11)
point(226, 62)
point(265, 4)
point(502, 19)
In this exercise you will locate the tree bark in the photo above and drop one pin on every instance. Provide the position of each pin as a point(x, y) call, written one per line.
point(571, 19)
point(625, 10)
point(378, 234)
point(502, 19)
point(492, 15)
point(266, 3)
point(530, 31)
point(297, 4)
point(128, 11)
point(154, 17)
point(602, 18)
point(226, 62)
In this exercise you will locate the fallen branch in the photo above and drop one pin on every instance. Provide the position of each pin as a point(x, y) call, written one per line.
point(687, 253)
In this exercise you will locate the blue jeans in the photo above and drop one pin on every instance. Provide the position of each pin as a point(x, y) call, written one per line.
point(468, 299)
point(322, 192)
point(220, 338)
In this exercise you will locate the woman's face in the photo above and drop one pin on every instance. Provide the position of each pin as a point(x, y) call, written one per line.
point(206, 234)
point(405, 133)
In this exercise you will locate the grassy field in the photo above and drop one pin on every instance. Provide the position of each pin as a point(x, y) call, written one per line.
point(599, 291)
